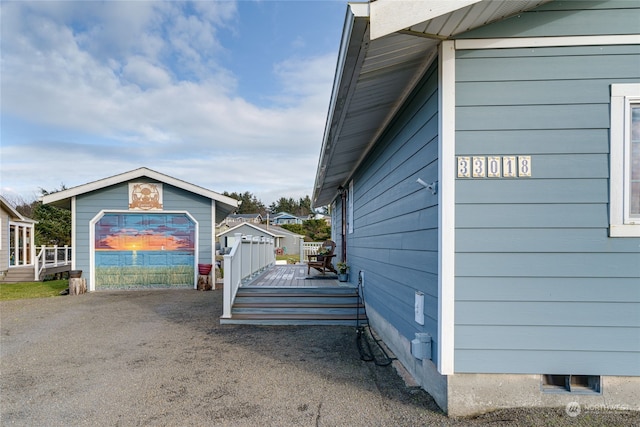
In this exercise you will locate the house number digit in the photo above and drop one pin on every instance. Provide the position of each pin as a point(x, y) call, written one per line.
point(524, 165)
point(464, 167)
point(493, 167)
point(479, 167)
point(509, 166)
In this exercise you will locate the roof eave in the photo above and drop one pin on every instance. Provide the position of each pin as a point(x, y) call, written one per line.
point(63, 198)
point(342, 129)
point(355, 28)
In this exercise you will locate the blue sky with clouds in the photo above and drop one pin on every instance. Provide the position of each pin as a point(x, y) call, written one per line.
point(231, 96)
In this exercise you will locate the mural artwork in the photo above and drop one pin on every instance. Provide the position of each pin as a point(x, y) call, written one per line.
point(144, 250)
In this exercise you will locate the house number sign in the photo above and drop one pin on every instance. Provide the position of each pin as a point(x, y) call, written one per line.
point(494, 166)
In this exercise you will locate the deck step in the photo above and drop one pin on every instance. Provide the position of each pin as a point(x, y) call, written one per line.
point(297, 306)
point(19, 274)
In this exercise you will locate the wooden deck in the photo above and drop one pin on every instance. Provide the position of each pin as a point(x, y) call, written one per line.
point(295, 276)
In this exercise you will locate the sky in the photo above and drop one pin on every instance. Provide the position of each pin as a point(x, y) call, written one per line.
point(228, 95)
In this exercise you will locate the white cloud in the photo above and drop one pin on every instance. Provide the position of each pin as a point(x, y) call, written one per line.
point(142, 73)
point(140, 85)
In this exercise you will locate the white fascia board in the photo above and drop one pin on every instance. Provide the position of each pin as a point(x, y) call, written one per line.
point(446, 208)
point(389, 16)
point(262, 230)
point(353, 38)
point(359, 9)
point(137, 173)
point(74, 236)
point(8, 207)
point(526, 42)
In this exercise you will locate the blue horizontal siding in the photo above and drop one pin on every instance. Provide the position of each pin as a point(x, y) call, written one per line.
point(549, 338)
point(551, 166)
point(548, 264)
point(568, 116)
point(540, 240)
point(540, 285)
point(533, 141)
point(567, 18)
point(532, 92)
point(395, 237)
point(116, 197)
point(538, 215)
point(549, 314)
point(532, 191)
point(557, 362)
point(546, 67)
point(548, 289)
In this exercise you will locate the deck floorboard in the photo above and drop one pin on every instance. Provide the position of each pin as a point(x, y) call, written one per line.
point(294, 276)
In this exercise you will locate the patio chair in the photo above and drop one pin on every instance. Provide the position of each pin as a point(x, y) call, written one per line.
point(322, 261)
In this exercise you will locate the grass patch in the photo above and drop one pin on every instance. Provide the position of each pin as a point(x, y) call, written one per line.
point(26, 290)
point(291, 258)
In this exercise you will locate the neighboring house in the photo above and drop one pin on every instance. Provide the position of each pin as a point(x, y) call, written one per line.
point(285, 240)
point(142, 229)
point(483, 158)
point(286, 218)
point(17, 241)
point(317, 216)
point(234, 219)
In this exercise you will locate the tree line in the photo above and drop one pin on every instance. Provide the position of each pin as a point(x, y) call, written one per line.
point(251, 204)
point(54, 224)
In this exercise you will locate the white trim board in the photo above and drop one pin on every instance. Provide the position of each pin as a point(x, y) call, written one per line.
point(103, 212)
point(466, 44)
point(446, 207)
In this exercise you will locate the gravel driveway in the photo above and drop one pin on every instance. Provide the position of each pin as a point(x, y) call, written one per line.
point(161, 358)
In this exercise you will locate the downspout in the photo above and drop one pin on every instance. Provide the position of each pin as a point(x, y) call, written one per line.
point(343, 194)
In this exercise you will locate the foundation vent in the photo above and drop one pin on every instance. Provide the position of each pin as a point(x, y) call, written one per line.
point(580, 384)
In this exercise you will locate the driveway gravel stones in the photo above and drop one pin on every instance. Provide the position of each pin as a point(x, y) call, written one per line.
point(161, 358)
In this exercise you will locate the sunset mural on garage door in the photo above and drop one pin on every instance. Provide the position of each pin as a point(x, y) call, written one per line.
point(144, 250)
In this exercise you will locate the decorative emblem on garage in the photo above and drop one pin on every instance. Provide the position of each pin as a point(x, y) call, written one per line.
point(145, 196)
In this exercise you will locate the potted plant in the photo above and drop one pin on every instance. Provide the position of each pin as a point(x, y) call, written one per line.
point(322, 251)
point(343, 271)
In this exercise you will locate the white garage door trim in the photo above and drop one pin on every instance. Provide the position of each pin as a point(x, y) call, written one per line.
point(98, 217)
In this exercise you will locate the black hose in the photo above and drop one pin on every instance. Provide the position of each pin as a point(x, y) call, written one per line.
point(363, 340)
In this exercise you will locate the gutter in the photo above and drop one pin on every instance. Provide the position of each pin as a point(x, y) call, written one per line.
point(353, 37)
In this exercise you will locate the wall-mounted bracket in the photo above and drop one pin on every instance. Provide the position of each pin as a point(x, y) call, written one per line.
point(433, 187)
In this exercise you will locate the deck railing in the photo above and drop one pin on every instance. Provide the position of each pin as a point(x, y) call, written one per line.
point(51, 256)
point(308, 248)
point(249, 256)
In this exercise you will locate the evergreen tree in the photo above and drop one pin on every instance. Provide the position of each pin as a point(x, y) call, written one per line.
point(249, 203)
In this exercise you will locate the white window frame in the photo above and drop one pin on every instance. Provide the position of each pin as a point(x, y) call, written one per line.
point(623, 96)
point(333, 221)
point(350, 208)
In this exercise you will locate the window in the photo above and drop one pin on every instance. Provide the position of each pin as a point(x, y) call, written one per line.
point(624, 181)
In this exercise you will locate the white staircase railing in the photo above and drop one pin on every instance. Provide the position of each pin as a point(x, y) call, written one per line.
point(51, 256)
point(249, 256)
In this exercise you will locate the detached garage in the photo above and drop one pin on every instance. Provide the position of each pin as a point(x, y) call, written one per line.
point(142, 229)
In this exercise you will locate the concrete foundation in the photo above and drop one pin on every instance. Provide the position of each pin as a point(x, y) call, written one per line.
point(473, 394)
point(424, 372)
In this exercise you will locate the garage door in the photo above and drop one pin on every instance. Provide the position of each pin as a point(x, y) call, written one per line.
point(141, 250)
